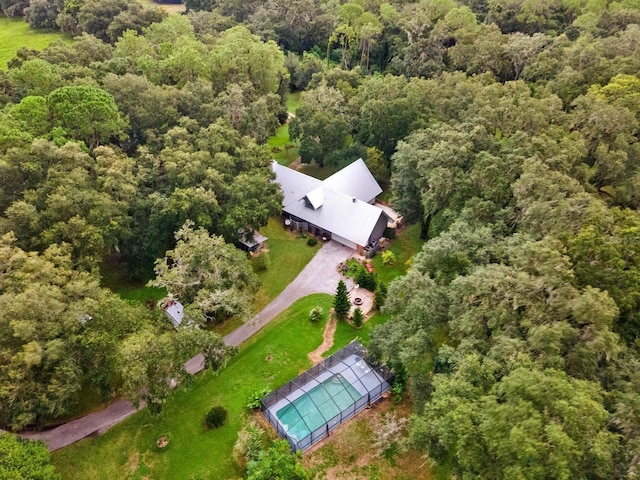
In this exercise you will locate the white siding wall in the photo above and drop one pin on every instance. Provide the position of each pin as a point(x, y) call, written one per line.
point(344, 241)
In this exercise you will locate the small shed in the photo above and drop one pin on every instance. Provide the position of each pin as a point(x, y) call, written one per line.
point(174, 311)
point(252, 243)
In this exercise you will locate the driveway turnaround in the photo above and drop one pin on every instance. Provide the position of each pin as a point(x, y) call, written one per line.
point(319, 276)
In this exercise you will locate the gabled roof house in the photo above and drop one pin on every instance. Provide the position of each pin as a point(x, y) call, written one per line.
point(340, 207)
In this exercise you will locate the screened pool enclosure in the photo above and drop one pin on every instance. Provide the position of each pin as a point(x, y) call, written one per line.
point(309, 407)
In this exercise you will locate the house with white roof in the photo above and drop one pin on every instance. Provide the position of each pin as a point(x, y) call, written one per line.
point(340, 207)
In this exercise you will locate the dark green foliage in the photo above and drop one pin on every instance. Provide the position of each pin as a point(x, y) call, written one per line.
point(380, 295)
point(86, 113)
point(312, 241)
point(507, 140)
point(389, 232)
point(366, 279)
point(341, 302)
point(25, 460)
point(215, 417)
point(357, 318)
point(43, 13)
point(198, 5)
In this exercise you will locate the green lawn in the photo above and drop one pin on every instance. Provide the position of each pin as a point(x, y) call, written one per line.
point(282, 150)
point(269, 359)
point(167, 7)
point(289, 254)
point(293, 102)
point(405, 246)
point(345, 332)
point(115, 278)
point(15, 33)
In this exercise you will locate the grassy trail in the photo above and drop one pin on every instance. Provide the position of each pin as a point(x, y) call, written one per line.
point(283, 150)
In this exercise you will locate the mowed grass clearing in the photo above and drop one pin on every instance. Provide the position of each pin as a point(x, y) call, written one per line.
point(269, 359)
point(283, 150)
point(15, 33)
point(167, 7)
point(404, 247)
point(288, 253)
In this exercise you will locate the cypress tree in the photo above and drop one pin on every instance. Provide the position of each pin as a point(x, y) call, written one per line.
point(357, 318)
point(341, 302)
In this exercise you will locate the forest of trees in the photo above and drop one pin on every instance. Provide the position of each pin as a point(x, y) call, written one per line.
point(508, 129)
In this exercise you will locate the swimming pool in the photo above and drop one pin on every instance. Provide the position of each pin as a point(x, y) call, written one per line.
point(309, 407)
point(317, 406)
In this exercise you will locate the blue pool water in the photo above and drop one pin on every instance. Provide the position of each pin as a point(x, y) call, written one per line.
point(319, 405)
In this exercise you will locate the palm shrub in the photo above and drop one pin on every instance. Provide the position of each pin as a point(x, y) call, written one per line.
point(315, 315)
point(250, 442)
point(256, 397)
point(215, 417)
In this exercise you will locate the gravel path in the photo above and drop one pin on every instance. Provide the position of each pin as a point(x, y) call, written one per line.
point(319, 276)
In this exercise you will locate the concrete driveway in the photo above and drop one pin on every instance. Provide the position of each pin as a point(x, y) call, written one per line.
point(319, 276)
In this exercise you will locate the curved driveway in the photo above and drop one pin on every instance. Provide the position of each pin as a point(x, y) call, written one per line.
point(319, 276)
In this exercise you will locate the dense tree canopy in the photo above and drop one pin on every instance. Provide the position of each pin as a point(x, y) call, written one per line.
point(205, 271)
point(508, 129)
point(23, 459)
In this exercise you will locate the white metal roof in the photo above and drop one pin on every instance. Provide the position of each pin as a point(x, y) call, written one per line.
point(355, 180)
point(295, 185)
point(340, 214)
point(316, 197)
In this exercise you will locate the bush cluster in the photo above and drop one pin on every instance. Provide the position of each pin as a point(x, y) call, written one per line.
point(256, 398)
point(366, 280)
point(216, 417)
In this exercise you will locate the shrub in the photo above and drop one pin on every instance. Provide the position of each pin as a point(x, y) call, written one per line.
point(380, 295)
point(312, 241)
point(315, 315)
point(216, 417)
point(397, 391)
point(263, 261)
point(388, 258)
point(250, 443)
point(357, 318)
point(256, 397)
point(366, 280)
point(389, 233)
